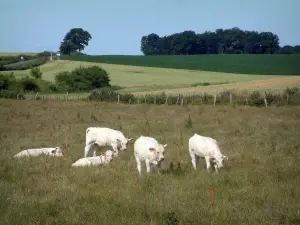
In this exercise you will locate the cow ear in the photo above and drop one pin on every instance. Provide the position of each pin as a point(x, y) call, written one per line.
point(151, 149)
point(53, 151)
point(129, 139)
point(165, 145)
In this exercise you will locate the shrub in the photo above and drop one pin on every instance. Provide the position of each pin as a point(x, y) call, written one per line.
point(83, 79)
point(28, 84)
point(36, 73)
point(103, 94)
point(11, 95)
point(292, 91)
point(7, 80)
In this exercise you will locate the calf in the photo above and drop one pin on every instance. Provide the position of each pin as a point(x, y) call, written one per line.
point(104, 158)
point(56, 151)
point(208, 148)
point(147, 149)
point(103, 136)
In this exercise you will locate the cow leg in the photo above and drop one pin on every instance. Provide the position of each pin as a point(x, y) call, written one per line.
point(87, 149)
point(207, 159)
point(115, 149)
point(138, 163)
point(159, 167)
point(194, 159)
point(147, 165)
point(216, 167)
point(93, 148)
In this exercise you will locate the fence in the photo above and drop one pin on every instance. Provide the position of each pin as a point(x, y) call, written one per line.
point(225, 98)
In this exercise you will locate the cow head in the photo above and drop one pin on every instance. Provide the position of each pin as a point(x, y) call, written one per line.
point(219, 160)
point(122, 142)
point(57, 152)
point(159, 152)
point(109, 156)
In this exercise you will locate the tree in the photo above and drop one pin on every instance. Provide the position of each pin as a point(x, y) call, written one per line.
point(75, 40)
point(221, 41)
point(149, 44)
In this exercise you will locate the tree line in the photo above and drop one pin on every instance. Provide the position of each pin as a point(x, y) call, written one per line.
point(221, 41)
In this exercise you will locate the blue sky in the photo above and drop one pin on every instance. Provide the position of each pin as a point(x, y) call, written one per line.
point(117, 26)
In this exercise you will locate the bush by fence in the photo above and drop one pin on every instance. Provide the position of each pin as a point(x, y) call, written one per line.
point(12, 95)
point(291, 96)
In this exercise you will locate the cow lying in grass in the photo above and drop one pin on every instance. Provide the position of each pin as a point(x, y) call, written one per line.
point(56, 151)
point(208, 148)
point(103, 136)
point(104, 158)
point(148, 150)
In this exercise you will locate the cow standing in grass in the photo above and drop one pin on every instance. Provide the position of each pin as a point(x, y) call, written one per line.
point(148, 150)
point(208, 148)
point(102, 136)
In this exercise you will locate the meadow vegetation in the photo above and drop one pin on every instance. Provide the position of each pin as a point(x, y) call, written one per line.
point(257, 186)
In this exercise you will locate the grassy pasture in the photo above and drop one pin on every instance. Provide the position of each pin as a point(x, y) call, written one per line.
point(259, 184)
point(224, 63)
point(137, 79)
point(274, 85)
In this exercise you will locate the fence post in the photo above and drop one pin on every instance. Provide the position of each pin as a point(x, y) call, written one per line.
point(246, 100)
point(67, 96)
point(154, 99)
point(230, 98)
point(287, 99)
point(145, 99)
point(166, 100)
point(215, 99)
point(129, 101)
point(181, 102)
point(118, 99)
point(138, 100)
point(265, 100)
point(177, 102)
point(36, 95)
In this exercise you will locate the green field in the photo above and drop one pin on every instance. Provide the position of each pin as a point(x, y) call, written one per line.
point(235, 63)
point(259, 184)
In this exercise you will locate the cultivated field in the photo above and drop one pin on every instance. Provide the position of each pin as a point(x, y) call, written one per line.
point(16, 53)
point(138, 79)
point(260, 184)
point(224, 63)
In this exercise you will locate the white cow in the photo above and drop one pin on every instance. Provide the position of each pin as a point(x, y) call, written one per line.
point(103, 136)
point(208, 148)
point(148, 149)
point(104, 158)
point(56, 151)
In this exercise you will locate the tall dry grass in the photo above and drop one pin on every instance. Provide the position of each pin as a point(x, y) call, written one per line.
point(259, 185)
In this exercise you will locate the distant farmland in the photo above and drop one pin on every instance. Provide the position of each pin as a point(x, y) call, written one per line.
point(238, 64)
point(16, 53)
